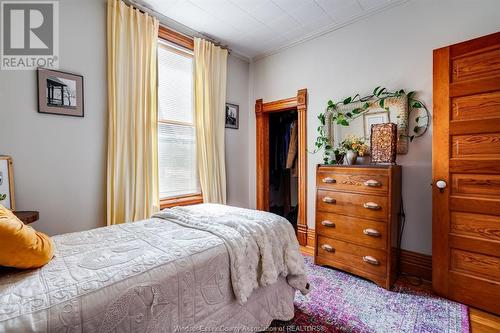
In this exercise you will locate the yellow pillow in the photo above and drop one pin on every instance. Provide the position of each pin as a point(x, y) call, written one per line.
point(21, 246)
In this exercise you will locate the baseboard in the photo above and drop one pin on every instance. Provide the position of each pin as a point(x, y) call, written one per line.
point(410, 263)
point(308, 249)
point(415, 264)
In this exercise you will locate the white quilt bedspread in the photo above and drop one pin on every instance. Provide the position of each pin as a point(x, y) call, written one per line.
point(262, 246)
point(157, 276)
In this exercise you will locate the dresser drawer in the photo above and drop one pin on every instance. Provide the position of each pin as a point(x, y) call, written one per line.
point(352, 229)
point(362, 258)
point(371, 181)
point(359, 205)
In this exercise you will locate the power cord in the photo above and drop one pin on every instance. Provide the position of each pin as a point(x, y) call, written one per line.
point(402, 219)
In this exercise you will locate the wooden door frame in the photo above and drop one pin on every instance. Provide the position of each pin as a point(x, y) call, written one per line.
point(262, 111)
point(440, 169)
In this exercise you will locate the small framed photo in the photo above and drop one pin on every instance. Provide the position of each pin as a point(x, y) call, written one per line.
point(7, 183)
point(232, 116)
point(60, 93)
point(373, 119)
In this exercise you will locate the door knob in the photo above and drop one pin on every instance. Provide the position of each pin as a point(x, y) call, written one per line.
point(441, 185)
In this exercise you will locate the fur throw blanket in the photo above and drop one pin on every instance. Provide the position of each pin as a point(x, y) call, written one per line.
point(261, 245)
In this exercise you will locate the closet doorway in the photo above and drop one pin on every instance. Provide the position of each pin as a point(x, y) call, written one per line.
point(281, 173)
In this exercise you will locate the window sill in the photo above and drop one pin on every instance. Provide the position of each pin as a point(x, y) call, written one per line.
point(192, 199)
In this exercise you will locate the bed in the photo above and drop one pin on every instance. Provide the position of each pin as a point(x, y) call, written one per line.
point(198, 268)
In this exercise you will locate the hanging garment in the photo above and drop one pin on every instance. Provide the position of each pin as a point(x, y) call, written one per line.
point(292, 149)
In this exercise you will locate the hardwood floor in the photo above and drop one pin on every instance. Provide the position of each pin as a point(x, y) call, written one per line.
point(307, 250)
point(480, 321)
point(483, 322)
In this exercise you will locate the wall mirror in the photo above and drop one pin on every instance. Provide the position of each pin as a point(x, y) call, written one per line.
point(395, 110)
point(352, 118)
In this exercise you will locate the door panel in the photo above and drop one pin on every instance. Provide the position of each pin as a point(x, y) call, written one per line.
point(478, 185)
point(476, 107)
point(478, 66)
point(485, 227)
point(466, 155)
point(474, 291)
point(475, 263)
point(476, 145)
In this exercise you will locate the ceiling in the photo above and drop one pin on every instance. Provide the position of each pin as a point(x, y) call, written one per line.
point(255, 28)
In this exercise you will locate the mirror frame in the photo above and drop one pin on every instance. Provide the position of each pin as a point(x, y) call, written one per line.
point(397, 103)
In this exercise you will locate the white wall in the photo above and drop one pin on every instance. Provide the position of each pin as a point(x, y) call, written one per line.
point(59, 161)
point(392, 49)
point(237, 139)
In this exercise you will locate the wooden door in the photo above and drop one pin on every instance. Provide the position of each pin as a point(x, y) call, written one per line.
point(466, 158)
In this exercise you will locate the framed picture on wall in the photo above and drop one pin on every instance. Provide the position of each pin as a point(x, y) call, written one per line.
point(60, 93)
point(373, 119)
point(7, 183)
point(232, 116)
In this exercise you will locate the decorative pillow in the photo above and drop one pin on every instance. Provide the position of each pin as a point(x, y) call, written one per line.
point(21, 246)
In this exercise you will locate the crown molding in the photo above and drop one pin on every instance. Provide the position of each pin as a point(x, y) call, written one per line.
point(328, 29)
point(187, 31)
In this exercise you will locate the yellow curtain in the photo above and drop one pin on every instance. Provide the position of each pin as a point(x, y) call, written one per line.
point(210, 103)
point(132, 173)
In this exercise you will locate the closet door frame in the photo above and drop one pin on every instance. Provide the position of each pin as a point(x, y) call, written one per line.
point(262, 111)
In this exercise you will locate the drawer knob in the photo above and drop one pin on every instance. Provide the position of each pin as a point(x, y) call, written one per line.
point(329, 180)
point(373, 183)
point(329, 200)
point(327, 248)
point(328, 224)
point(371, 232)
point(371, 205)
point(371, 260)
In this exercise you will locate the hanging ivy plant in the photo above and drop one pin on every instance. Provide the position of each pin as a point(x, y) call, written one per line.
point(379, 96)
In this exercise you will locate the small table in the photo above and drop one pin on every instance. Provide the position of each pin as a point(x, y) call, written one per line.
point(27, 216)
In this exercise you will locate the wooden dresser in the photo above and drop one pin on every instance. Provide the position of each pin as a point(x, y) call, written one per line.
point(357, 211)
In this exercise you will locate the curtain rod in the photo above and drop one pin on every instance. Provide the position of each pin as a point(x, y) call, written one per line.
point(172, 24)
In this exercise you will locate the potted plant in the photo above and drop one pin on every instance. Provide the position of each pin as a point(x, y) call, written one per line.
point(354, 147)
point(339, 154)
point(324, 140)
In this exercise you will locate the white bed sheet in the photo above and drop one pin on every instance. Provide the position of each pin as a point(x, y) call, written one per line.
point(148, 276)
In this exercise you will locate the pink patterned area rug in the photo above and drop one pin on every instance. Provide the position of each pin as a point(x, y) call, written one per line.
point(340, 302)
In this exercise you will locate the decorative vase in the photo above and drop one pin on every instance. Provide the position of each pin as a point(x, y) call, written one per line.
point(363, 160)
point(350, 157)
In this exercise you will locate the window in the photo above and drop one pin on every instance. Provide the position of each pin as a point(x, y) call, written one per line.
point(178, 173)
